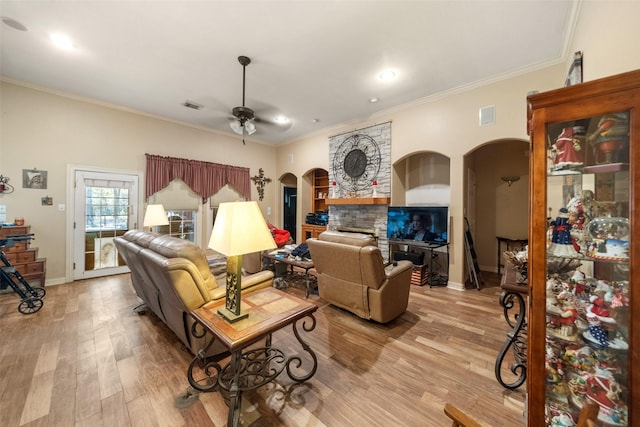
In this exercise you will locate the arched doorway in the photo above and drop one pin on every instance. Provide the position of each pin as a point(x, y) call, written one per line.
point(496, 200)
point(289, 185)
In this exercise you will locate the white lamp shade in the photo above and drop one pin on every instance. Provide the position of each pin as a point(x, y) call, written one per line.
point(240, 229)
point(155, 215)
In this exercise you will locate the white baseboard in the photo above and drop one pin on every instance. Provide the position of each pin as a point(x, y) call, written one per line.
point(55, 281)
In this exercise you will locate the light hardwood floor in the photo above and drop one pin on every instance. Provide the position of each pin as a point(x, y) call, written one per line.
point(88, 359)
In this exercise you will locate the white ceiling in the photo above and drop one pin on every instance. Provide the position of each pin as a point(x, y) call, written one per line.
point(310, 59)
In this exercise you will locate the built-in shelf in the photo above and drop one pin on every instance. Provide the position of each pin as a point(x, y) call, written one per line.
point(359, 201)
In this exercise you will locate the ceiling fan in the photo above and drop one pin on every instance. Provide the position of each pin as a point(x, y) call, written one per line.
point(244, 116)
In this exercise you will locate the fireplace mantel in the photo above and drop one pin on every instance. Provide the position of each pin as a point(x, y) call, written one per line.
point(359, 201)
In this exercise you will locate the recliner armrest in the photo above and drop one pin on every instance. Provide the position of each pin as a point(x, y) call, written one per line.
point(395, 270)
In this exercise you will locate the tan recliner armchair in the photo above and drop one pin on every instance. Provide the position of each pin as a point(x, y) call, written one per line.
point(352, 275)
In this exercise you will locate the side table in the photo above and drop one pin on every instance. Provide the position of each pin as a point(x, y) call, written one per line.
point(304, 265)
point(509, 242)
point(269, 311)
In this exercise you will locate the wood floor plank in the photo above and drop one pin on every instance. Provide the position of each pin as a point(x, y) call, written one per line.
point(38, 399)
point(88, 403)
point(47, 358)
point(115, 411)
point(63, 395)
point(141, 412)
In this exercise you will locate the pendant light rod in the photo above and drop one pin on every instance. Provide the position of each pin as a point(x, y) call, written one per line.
point(244, 61)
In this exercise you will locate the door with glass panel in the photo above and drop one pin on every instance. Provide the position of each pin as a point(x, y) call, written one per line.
point(105, 207)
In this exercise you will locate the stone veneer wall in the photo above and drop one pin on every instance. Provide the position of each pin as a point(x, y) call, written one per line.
point(381, 134)
point(372, 217)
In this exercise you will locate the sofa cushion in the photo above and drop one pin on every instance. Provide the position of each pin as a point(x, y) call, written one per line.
point(172, 247)
point(353, 239)
point(140, 238)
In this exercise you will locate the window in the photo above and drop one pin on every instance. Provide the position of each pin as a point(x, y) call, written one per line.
point(182, 224)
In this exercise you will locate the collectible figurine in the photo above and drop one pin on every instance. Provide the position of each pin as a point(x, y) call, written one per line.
point(561, 241)
point(567, 148)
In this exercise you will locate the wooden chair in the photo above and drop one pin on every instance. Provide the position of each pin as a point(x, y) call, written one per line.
point(460, 419)
point(588, 416)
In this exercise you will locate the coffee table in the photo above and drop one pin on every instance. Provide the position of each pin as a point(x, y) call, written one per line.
point(290, 260)
point(269, 311)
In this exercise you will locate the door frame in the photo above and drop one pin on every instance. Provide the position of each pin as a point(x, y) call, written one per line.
point(71, 207)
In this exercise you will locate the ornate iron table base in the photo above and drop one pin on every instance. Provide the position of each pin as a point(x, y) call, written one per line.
point(249, 370)
point(516, 339)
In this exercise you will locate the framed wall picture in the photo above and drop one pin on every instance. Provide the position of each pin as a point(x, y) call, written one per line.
point(33, 178)
point(575, 71)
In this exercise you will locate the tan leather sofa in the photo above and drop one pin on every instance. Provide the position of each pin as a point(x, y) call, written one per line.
point(352, 275)
point(172, 277)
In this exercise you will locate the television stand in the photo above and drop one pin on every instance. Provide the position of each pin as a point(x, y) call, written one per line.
point(431, 250)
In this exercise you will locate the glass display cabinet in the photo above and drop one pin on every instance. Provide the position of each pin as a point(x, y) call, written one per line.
point(584, 253)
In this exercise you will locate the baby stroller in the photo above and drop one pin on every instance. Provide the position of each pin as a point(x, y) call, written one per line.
point(9, 276)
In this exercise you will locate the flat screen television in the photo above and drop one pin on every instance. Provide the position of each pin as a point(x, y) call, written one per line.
point(418, 224)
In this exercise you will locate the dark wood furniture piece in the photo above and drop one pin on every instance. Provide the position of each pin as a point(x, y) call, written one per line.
point(24, 257)
point(510, 244)
point(320, 189)
point(513, 301)
point(269, 311)
point(426, 273)
point(311, 231)
point(600, 121)
point(292, 262)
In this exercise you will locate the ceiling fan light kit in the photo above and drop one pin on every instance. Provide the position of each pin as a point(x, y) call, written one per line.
point(244, 118)
point(244, 115)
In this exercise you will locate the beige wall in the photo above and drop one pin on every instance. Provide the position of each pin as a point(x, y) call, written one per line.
point(48, 132)
point(608, 34)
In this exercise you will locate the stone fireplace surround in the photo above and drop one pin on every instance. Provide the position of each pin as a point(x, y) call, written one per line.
point(371, 219)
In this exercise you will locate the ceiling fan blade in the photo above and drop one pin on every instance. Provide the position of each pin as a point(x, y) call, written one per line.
point(274, 124)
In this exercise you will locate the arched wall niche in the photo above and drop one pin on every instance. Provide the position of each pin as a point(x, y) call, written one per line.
point(422, 178)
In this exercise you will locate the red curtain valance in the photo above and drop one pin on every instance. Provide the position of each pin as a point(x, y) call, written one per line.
point(204, 178)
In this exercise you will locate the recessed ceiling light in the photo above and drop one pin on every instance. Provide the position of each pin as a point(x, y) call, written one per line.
point(62, 41)
point(315, 120)
point(10, 22)
point(387, 75)
point(281, 120)
point(374, 100)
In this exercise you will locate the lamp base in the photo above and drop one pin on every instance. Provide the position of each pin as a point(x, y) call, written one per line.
point(230, 316)
point(232, 311)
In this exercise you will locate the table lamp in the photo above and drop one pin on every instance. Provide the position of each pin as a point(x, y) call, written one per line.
point(239, 229)
point(155, 215)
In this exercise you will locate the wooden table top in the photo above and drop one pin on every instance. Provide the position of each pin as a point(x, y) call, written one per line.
point(269, 310)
